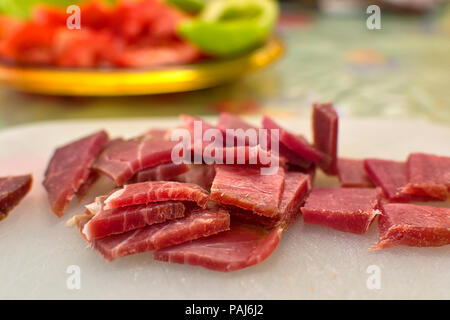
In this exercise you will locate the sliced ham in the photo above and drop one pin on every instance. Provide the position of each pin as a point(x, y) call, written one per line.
point(413, 225)
point(120, 220)
point(428, 175)
point(156, 191)
point(296, 187)
point(163, 172)
point(12, 191)
point(352, 174)
point(122, 160)
point(295, 143)
point(344, 209)
point(247, 188)
point(69, 169)
point(197, 224)
point(325, 122)
point(240, 247)
point(391, 177)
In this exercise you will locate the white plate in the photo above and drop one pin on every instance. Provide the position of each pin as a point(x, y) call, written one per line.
point(311, 262)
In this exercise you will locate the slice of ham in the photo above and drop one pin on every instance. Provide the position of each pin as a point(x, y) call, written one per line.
point(295, 143)
point(198, 223)
point(296, 187)
point(69, 169)
point(391, 177)
point(344, 209)
point(122, 160)
point(325, 123)
point(156, 191)
point(247, 188)
point(200, 174)
point(240, 247)
point(428, 175)
point(413, 225)
point(120, 220)
point(352, 174)
point(163, 172)
point(12, 191)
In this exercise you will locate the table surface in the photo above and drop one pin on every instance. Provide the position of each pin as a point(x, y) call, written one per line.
point(399, 71)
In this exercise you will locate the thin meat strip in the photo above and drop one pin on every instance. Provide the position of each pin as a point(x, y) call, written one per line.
point(344, 209)
point(391, 177)
point(12, 191)
point(198, 223)
point(428, 175)
point(69, 169)
point(240, 247)
point(325, 122)
point(352, 174)
point(245, 187)
point(413, 225)
point(156, 191)
point(123, 159)
point(163, 172)
point(115, 221)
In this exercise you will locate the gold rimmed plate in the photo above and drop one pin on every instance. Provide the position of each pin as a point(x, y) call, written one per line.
point(122, 82)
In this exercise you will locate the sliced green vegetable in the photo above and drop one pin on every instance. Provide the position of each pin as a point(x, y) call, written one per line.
point(231, 27)
point(188, 6)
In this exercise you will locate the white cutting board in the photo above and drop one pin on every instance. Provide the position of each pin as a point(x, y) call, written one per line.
point(311, 262)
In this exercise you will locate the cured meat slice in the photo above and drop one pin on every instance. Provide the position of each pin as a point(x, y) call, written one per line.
point(240, 247)
point(122, 160)
point(295, 143)
point(352, 174)
point(197, 224)
point(120, 220)
point(69, 168)
point(296, 187)
point(200, 174)
point(83, 190)
point(344, 209)
point(156, 191)
point(12, 191)
point(413, 225)
point(391, 177)
point(428, 175)
point(325, 123)
point(293, 158)
point(232, 122)
point(247, 188)
point(163, 172)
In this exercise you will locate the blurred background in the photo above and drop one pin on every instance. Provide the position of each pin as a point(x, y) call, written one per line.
point(401, 70)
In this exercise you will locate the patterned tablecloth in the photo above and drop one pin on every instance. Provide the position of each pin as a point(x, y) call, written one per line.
point(402, 70)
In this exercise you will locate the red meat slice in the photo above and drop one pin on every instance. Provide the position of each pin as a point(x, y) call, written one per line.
point(391, 177)
point(83, 190)
point(156, 191)
point(233, 122)
point(69, 168)
point(199, 174)
point(163, 172)
point(199, 223)
point(352, 174)
point(344, 209)
point(12, 191)
point(247, 188)
point(122, 160)
point(325, 122)
point(241, 247)
point(413, 225)
point(428, 175)
point(293, 158)
point(296, 187)
point(295, 143)
point(120, 220)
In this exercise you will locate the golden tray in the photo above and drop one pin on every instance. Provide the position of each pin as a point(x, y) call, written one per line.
point(122, 82)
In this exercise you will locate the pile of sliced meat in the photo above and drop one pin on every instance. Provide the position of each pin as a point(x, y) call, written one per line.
point(227, 216)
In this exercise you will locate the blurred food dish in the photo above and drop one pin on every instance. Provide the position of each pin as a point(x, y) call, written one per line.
point(156, 80)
